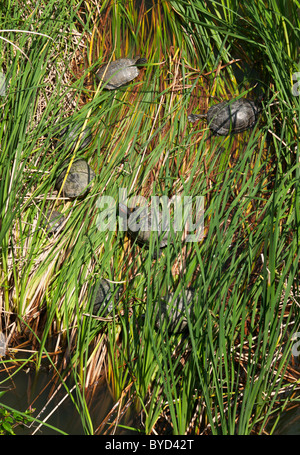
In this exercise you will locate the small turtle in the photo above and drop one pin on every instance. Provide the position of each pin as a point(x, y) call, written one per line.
point(78, 180)
point(141, 222)
point(230, 116)
point(103, 295)
point(120, 72)
point(69, 136)
point(172, 311)
point(54, 221)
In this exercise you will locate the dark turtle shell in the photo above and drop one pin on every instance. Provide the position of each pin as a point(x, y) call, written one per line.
point(78, 180)
point(103, 295)
point(54, 220)
point(69, 136)
point(172, 311)
point(235, 117)
point(142, 222)
point(230, 116)
point(119, 72)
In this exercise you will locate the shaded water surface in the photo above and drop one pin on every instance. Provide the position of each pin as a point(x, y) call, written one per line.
point(289, 423)
point(30, 390)
point(33, 390)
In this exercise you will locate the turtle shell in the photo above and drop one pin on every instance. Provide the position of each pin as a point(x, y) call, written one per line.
point(172, 311)
point(69, 136)
point(103, 295)
point(119, 72)
point(232, 116)
point(54, 221)
point(78, 180)
point(142, 222)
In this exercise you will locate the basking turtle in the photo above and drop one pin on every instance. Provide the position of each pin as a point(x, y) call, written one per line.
point(120, 72)
point(230, 116)
point(141, 222)
point(54, 221)
point(69, 136)
point(103, 295)
point(78, 180)
point(172, 311)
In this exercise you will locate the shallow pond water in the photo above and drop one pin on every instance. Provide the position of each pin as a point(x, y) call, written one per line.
point(52, 404)
point(289, 423)
point(28, 389)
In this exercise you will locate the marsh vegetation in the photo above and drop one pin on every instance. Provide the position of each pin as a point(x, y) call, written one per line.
point(233, 368)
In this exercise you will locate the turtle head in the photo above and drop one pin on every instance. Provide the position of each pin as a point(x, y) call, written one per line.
point(141, 61)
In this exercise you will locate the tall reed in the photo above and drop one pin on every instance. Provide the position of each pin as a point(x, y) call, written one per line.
point(231, 371)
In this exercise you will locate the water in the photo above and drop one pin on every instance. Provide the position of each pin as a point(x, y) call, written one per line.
point(30, 390)
point(289, 423)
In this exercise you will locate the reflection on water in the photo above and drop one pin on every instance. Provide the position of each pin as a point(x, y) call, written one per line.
point(32, 390)
point(27, 390)
point(289, 423)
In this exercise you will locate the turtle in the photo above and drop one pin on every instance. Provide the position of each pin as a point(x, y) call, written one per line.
point(141, 222)
point(69, 136)
point(55, 219)
point(120, 72)
point(78, 180)
point(173, 311)
point(103, 294)
point(230, 116)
